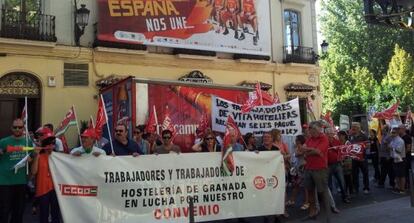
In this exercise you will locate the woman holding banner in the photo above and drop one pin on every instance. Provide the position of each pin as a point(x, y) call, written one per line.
point(208, 144)
point(250, 140)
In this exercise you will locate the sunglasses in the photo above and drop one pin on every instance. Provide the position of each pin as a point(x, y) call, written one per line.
point(209, 138)
point(166, 137)
point(18, 127)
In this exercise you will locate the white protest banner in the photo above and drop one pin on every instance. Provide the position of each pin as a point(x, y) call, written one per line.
point(156, 188)
point(283, 116)
point(343, 122)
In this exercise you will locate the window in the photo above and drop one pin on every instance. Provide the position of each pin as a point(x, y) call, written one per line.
point(292, 30)
point(75, 74)
point(31, 6)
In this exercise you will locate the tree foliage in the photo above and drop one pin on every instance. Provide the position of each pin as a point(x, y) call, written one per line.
point(399, 81)
point(358, 59)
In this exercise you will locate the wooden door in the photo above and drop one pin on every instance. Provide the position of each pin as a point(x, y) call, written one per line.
point(8, 112)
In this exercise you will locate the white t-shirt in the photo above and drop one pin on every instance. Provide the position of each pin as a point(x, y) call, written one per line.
point(82, 150)
point(59, 145)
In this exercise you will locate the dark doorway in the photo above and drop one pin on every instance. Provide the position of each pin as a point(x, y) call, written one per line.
point(14, 87)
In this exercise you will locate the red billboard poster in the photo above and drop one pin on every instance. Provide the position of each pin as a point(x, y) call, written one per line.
point(186, 105)
point(232, 26)
point(118, 100)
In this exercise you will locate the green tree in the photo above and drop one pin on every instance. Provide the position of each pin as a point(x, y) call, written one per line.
point(399, 81)
point(358, 58)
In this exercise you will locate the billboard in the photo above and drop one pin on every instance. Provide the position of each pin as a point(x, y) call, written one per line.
point(231, 26)
point(186, 106)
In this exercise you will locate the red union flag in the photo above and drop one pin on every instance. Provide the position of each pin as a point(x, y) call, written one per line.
point(276, 99)
point(388, 113)
point(151, 126)
point(268, 99)
point(355, 151)
point(101, 118)
point(69, 120)
point(64, 144)
point(255, 99)
point(167, 123)
point(203, 125)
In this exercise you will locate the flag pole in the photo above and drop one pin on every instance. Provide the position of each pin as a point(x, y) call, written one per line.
point(26, 129)
point(260, 95)
point(156, 120)
point(93, 124)
point(107, 125)
point(77, 124)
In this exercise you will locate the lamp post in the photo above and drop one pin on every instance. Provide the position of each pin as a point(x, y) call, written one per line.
point(81, 21)
point(324, 47)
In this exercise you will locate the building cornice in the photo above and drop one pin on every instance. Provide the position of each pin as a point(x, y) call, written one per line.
point(100, 55)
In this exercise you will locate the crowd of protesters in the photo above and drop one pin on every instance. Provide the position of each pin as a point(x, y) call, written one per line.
point(314, 167)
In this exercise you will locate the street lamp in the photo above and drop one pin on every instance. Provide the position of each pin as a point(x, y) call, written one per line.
point(81, 21)
point(324, 47)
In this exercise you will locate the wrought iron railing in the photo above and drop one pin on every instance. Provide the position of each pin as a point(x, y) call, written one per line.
point(27, 25)
point(299, 54)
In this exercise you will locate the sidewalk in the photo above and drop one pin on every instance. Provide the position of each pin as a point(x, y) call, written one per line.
point(396, 210)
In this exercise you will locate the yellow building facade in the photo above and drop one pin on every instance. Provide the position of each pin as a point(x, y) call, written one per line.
point(45, 64)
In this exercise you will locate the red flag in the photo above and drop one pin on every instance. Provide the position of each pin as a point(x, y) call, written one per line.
point(91, 125)
point(64, 143)
point(388, 113)
point(276, 99)
point(167, 123)
point(151, 126)
point(69, 120)
point(231, 126)
point(203, 125)
point(268, 99)
point(354, 151)
point(101, 118)
point(255, 99)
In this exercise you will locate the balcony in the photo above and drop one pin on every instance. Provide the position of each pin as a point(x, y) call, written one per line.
point(27, 25)
point(299, 54)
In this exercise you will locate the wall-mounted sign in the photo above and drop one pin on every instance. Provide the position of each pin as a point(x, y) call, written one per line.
point(196, 76)
point(232, 26)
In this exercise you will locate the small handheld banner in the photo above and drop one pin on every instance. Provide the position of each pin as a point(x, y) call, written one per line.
point(355, 151)
point(11, 149)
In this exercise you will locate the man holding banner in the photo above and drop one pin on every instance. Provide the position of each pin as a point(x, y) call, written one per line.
point(316, 168)
point(88, 141)
point(12, 185)
point(122, 146)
